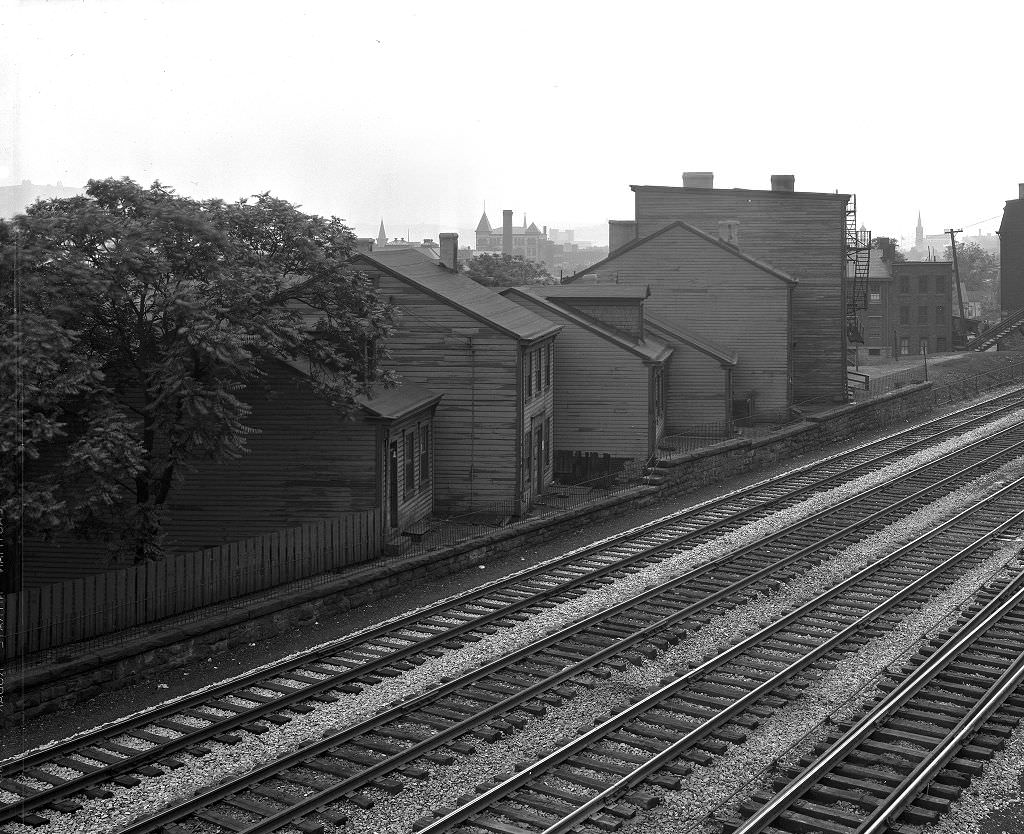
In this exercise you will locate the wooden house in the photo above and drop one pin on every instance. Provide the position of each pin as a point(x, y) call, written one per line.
point(737, 309)
point(494, 362)
point(610, 399)
point(803, 234)
point(306, 462)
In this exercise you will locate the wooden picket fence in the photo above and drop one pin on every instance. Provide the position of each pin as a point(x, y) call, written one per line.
point(105, 603)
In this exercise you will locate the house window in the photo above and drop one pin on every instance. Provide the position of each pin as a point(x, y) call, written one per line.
point(904, 346)
point(527, 460)
point(875, 295)
point(547, 367)
point(547, 441)
point(923, 346)
point(904, 285)
point(922, 314)
point(904, 314)
point(874, 351)
point(537, 369)
point(410, 463)
point(922, 285)
point(424, 453)
point(940, 313)
point(940, 344)
point(528, 374)
point(875, 327)
point(940, 284)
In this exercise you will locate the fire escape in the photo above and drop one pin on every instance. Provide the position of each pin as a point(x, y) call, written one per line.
point(858, 249)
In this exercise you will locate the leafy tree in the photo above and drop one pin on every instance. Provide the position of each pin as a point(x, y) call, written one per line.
point(133, 320)
point(890, 253)
point(506, 271)
point(979, 269)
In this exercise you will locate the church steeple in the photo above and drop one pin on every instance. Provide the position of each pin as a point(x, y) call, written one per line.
point(919, 237)
point(484, 225)
point(382, 238)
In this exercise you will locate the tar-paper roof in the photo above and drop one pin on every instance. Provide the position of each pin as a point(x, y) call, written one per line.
point(395, 403)
point(480, 302)
point(705, 346)
point(679, 224)
point(650, 348)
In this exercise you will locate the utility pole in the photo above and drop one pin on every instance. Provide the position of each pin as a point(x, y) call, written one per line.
point(956, 277)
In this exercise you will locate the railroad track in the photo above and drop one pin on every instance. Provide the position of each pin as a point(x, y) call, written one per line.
point(148, 745)
point(604, 775)
point(505, 694)
point(913, 751)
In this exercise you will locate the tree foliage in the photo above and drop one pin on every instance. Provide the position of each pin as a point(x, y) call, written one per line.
point(979, 269)
point(134, 319)
point(506, 271)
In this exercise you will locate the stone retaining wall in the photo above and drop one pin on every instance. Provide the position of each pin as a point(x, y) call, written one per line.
point(61, 684)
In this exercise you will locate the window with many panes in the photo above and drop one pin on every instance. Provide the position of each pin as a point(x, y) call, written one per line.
point(922, 284)
point(424, 453)
point(547, 441)
point(904, 346)
point(904, 314)
point(904, 285)
point(940, 344)
point(875, 294)
point(922, 314)
point(410, 463)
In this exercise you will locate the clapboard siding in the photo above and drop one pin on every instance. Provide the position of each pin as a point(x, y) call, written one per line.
point(697, 389)
point(602, 400)
point(476, 367)
point(701, 288)
point(306, 462)
point(800, 233)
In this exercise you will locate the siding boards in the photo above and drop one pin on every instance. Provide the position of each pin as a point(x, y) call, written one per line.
point(800, 233)
point(700, 288)
point(476, 368)
point(601, 401)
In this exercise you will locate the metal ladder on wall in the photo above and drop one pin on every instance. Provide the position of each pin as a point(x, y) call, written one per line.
point(857, 267)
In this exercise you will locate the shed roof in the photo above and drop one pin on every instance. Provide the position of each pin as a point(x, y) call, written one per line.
point(651, 348)
point(396, 403)
point(480, 302)
point(705, 346)
point(735, 251)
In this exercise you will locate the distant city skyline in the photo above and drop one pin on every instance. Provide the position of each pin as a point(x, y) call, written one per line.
point(419, 115)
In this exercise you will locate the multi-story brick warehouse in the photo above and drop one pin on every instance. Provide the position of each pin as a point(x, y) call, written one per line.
point(801, 233)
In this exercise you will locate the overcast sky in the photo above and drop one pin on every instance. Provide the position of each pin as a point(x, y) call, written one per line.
point(421, 112)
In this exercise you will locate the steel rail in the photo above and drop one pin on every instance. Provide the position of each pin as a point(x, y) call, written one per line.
point(20, 763)
point(686, 741)
point(911, 786)
point(173, 745)
point(389, 765)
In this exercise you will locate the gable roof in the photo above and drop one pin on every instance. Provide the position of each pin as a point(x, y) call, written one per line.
point(395, 403)
point(473, 299)
point(705, 346)
point(651, 348)
point(735, 251)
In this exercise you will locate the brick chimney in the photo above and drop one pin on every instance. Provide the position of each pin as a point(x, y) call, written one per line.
point(620, 232)
point(506, 232)
point(698, 179)
point(450, 251)
point(783, 182)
